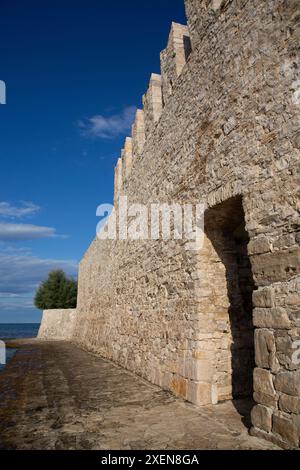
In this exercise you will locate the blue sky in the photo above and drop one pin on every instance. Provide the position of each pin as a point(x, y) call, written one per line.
point(75, 72)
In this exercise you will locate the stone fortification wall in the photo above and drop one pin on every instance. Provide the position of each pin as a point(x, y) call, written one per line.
point(219, 125)
point(57, 324)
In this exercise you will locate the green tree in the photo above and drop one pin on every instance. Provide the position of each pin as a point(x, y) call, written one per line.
point(58, 291)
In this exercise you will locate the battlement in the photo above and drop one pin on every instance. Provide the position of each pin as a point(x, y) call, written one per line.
point(172, 60)
point(127, 157)
point(118, 179)
point(174, 57)
point(138, 134)
point(152, 102)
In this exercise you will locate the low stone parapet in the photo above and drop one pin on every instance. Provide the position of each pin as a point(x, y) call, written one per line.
point(57, 324)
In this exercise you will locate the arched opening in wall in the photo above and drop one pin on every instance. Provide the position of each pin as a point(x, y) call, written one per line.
point(231, 276)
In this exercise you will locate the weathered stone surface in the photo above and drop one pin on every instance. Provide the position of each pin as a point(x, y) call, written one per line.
point(259, 245)
point(286, 347)
point(265, 350)
point(197, 369)
point(179, 386)
point(199, 393)
point(283, 426)
point(267, 400)
point(57, 324)
point(289, 404)
point(296, 421)
point(152, 102)
point(138, 134)
point(174, 57)
point(263, 382)
point(118, 180)
point(288, 382)
point(261, 417)
point(264, 297)
point(82, 402)
point(275, 317)
point(277, 266)
point(127, 158)
point(273, 438)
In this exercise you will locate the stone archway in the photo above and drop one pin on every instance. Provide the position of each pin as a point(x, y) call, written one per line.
point(229, 271)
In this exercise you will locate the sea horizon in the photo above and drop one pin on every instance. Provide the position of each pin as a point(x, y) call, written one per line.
point(20, 323)
point(18, 330)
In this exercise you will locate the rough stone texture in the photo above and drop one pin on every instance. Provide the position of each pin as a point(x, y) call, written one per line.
point(271, 318)
point(57, 324)
point(261, 417)
point(152, 101)
point(283, 426)
point(127, 157)
point(226, 132)
point(263, 382)
point(289, 404)
point(288, 382)
point(138, 133)
point(265, 349)
point(79, 401)
point(174, 57)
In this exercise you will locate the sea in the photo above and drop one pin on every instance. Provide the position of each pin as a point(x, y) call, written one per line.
point(14, 331)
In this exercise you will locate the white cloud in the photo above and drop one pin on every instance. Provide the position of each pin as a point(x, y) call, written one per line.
point(9, 303)
point(10, 211)
point(17, 232)
point(20, 275)
point(14, 249)
point(20, 271)
point(108, 127)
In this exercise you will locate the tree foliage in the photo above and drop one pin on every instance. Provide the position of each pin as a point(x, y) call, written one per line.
point(58, 291)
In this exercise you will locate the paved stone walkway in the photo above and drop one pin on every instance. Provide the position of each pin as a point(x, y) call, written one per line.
point(56, 396)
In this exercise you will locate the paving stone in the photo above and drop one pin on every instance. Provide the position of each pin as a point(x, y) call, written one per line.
point(54, 395)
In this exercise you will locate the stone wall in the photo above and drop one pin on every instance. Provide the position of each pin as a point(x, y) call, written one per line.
point(220, 125)
point(57, 324)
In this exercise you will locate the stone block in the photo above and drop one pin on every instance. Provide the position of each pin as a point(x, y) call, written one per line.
point(215, 5)
point(209, 353)
point(224, 392)
point(199, 393)
point(278, 266)
point(288, 382)
point(174, 57)
point(214, 394)
point(263, 382)
point(199, 370)
point(293, 299)
point(284, 241)
point(284, 426)
point(179, 386)
point(275, 317)
point(265, 350)
point(127, 157)
point(261, 417)
point(118, 180)
point(296, 421)
point(152, 103)
point(138, 134)
point(267, 400)
point(274, 438)
point(264, 297)
point(289, 404)
point(259, 245)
